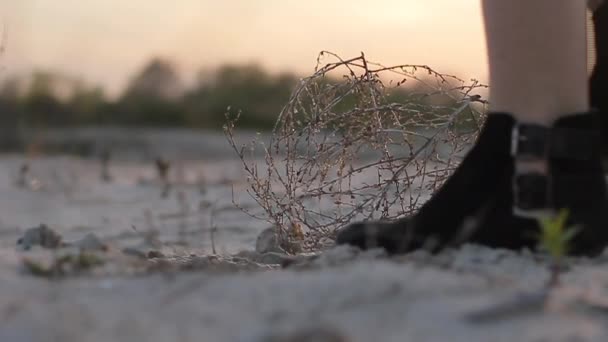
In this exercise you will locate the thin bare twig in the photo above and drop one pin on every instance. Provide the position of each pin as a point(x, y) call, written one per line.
point(350, 144)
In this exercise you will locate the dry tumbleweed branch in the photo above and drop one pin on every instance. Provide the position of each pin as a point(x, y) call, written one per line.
point(358, 140)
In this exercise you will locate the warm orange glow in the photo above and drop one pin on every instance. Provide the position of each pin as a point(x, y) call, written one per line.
point(106, 40)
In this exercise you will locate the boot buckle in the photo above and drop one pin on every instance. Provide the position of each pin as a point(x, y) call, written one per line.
point(532, 190)
point(530, 141)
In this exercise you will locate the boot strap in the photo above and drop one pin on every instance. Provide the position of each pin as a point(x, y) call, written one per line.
point(533, 142)
point(535, 192)
point(532, 192)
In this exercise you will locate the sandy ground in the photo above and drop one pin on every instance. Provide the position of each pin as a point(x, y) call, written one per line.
point(469, 294)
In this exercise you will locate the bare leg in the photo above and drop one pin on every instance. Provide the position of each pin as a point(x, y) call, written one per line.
point(538, 62)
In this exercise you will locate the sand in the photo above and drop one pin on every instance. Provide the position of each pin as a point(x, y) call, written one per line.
point(191, 294)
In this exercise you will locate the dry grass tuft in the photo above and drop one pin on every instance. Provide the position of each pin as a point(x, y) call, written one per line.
point(358, 140)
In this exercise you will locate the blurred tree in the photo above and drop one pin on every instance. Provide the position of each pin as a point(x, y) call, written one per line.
point(151, 98)
point(10, 89)
point(259, 95)
point(10, 115)
point(40, 104)
point(157, 79)
point(86, 104)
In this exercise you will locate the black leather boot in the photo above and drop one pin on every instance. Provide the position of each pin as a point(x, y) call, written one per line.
point(477, 203)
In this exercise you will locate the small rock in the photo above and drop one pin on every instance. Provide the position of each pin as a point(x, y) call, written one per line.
point(268, 241)
point(90, 243)
point(40, 236)
point(155, 254)
point(62, 263)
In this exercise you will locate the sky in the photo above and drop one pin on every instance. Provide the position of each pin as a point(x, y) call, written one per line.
point(106, 41)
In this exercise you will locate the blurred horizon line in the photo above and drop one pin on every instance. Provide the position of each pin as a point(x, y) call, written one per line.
point(187, 78)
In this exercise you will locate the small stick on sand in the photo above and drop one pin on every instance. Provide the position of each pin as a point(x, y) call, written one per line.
point(162, 167)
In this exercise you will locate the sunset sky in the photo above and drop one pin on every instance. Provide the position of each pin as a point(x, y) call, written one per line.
point(105, 41)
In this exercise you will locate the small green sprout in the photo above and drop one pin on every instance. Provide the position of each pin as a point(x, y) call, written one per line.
point(555, 239)
point(554, 236)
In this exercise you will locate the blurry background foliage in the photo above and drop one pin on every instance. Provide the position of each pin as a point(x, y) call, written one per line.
point(157, 97)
